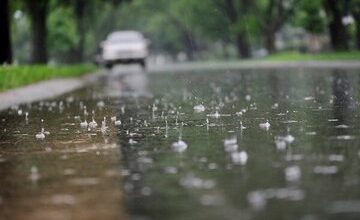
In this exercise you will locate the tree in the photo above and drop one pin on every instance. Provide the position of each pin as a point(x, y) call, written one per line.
point(38, 15)
point(308, 16)
point(355, 10)
point(272, 16)
point(338, 32)
point(5, 42)
point(236, 12)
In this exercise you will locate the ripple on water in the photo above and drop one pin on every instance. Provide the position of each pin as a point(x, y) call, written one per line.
point(85, 181)
point(325, 170)
point(211, 200)
point(192, 182)
point(63, 199)
point(293, 173)
point(344, 137)
point(258, 199)
point(347, 206)
point(179, 146)
point(239, 158)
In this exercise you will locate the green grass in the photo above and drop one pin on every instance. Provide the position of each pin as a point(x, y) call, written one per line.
point(15, 76)
point(296, 56)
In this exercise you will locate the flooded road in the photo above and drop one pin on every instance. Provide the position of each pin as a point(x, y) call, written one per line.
point(250, 144)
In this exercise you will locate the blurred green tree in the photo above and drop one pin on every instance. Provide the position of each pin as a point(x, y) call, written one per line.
point(37, 11)
point(355, 11)
point(272, 15)
point(339, 35)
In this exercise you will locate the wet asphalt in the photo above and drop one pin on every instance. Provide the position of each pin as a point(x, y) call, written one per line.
point(196, 144)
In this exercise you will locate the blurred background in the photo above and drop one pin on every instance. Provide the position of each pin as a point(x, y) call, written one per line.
point(70, 31)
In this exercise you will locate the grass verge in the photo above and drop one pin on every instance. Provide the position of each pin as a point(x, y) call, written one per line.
point(15, 76)
point(296, 56)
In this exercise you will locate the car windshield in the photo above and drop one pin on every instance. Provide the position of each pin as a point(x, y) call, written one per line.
point(124, 37)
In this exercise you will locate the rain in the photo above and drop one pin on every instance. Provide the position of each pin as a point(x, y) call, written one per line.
point(226, 110)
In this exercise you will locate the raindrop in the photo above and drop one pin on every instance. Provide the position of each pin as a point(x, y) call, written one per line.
point(170, 170)
point(146, 191)
point(275, 106)
point(100, 104)
point(280, 144)
point(230, 144)
point(239, 158)
point(242, 127)
point(117, 122)
point(325, 169)
point(179, 146)
point(84, 124)
point(336, 157)
point(41, 135)
point(34, 174)
point(193, 182)
point(27, 117)
point(265, 126)
point(257, 200)
point(292, 173)
point(103, 126)
point(63, 199)
point(93, 123)
point(132, 141)
point(199, 108)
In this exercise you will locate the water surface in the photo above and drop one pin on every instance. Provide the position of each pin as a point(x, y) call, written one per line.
point(304, 166)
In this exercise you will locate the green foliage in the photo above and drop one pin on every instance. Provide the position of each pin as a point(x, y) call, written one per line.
point(63, 35)
point(296, 56)
point(310, 16)
point(168, 24)
point(15, 76)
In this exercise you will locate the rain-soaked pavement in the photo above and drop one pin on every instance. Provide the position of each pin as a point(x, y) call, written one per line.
point(250, 144)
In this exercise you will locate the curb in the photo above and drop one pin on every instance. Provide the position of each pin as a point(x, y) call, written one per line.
point(45, 89)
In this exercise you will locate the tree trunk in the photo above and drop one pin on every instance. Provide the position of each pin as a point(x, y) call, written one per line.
point(241, 41)
point(270, 42)
point(79, 13)
point(357, 24)
point(38, 16)
point(189, 44)
point(358, 34)
point(5, 41)
point(243, 47)
point(338, 32)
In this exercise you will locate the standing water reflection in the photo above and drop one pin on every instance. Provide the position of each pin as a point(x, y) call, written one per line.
point(176, 162)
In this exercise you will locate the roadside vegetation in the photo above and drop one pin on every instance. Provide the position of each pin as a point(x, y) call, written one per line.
point(15, 76)
point(296, 56)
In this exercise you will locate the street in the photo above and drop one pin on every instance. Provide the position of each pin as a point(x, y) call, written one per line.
point(278, 143)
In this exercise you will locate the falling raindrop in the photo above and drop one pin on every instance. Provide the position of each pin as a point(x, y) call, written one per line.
point(230, 144)
point(103, 126)
point(93, 123)
point(292, 173)
point(27, 117)
point(179, 146)
point(280, 144)
point(199, 108)
point(84, 124)
point(41, 135)
point(265, 126)
point(34, 174)
point(240, 158)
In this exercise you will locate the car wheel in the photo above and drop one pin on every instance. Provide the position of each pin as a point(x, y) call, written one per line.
point(108, 66)
point(142, 64)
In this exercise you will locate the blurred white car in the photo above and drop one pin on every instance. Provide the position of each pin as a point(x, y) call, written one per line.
point(124, 47)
